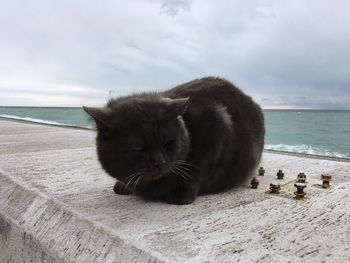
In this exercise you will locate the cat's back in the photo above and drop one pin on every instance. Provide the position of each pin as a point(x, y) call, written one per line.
point(217, 90)
point(208, 87)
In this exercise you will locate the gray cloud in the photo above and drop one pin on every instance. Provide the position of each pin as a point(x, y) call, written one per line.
point(172, 7)
point(283, 53)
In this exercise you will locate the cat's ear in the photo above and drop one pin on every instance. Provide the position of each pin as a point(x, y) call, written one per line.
point(179, 106)
point(100, 115)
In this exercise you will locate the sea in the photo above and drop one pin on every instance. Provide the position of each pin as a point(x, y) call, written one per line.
point(320, 132)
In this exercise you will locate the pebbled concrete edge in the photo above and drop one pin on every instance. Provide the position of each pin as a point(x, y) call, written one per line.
point(37, 228)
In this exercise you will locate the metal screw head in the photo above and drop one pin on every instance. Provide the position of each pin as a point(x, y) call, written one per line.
point(261, 171)
point(275, 187)
point(254, 183)
point(300, 190)
point(326, 177)
point(280, 174)
point(326, 180)
point(301, 178)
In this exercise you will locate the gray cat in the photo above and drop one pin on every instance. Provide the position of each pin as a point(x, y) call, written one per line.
point(205, 136)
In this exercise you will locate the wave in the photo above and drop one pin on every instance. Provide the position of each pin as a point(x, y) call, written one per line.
point(43, 121)
point(307, 149)
point(31, 119)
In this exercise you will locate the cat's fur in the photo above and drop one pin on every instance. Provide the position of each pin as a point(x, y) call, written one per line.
point(201, 137)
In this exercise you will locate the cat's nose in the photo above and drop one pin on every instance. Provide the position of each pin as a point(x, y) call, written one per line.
point(158, 160)
point(159, 165)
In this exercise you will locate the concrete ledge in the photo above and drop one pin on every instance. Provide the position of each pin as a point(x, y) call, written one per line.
point(57, 205)
point(38, 228)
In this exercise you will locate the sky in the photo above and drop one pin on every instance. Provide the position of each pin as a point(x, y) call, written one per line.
point(285, 54)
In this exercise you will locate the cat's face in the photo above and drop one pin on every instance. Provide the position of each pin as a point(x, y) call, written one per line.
point(143, 136)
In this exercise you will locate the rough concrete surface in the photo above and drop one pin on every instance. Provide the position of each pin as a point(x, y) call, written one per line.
point(57, 205)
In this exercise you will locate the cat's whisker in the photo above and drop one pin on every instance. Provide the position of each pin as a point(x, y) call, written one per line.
point(133, 176)
point(183, 167)
point(182, 172)
point(180, 167)
point(128, 184)
point(132, 186)
point(182, 162)
point(185, 176)
point(177, 173)
point(135, 184)
point(130, 178)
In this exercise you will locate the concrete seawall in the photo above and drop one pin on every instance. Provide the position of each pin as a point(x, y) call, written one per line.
point(57, 205)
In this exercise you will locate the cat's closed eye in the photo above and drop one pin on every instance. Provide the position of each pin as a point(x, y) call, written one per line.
point(139, 148)
point(169, 144)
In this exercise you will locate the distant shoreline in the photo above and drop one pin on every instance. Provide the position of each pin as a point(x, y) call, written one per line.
point(312, 156)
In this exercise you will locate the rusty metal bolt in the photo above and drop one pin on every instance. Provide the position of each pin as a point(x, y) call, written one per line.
point(300, 190)
point(302, 178)
point(275, 188)
point(254, 183)
point(261, 171)
point(326, 180)
point(280, 175)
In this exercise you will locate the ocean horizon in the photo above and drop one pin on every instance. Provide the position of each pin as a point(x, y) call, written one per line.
point(308, 131)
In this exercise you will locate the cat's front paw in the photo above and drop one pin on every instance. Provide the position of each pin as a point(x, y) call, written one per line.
point(181, 198)
point(120, 189)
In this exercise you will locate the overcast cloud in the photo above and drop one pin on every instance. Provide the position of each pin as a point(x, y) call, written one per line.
point(286, 54)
